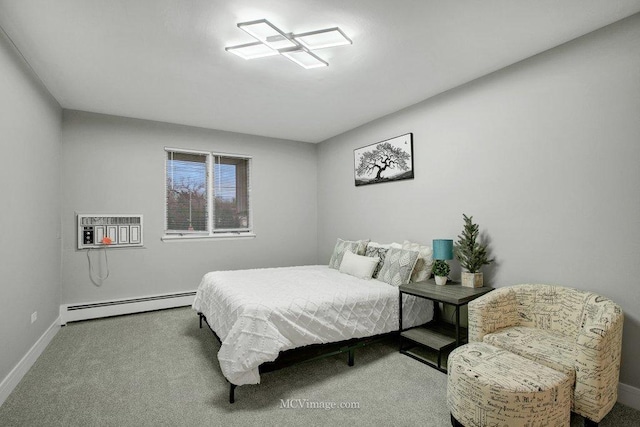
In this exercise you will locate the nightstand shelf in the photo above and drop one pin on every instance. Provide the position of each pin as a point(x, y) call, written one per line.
point(437, 335)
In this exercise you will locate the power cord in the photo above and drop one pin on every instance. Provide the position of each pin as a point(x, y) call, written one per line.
point(91, 272)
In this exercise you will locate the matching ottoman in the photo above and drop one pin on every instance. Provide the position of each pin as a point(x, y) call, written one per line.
point(488, 386)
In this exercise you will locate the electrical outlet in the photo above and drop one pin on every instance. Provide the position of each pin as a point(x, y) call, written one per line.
point(34, 316)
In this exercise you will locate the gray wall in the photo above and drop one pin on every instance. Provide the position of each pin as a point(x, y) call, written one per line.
point(544, 154)
point(30, 220)
point(116, 165)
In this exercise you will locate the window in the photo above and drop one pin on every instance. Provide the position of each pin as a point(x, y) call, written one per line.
point(207, 194)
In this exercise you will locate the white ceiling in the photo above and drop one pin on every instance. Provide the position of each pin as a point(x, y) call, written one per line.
point(164, 60)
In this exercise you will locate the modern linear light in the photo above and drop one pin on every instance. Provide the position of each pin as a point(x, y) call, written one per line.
point(304, 58)
point(296, 47)
point(321, 39)
point(252, 50)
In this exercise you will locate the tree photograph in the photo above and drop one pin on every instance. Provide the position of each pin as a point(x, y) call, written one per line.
point(389, 160)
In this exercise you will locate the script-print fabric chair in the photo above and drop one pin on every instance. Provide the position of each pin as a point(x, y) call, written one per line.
point(575, 332)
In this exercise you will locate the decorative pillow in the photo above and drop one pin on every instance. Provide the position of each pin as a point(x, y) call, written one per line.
point(397, 267)
point(380, 245)
point(424, 264)
point(358, 265)
point(376, 250)
point(357, 247)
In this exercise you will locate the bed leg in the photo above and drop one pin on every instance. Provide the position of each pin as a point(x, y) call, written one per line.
point(351, 356)
point(232, 393)
point(200, 317)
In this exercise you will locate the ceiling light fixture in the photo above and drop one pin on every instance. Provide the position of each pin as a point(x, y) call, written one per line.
point(252, 50)
point(304, 58)
point(267, 33)
point(296, 47)
point(321, 39)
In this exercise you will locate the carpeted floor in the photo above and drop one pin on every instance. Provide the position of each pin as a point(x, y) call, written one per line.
point(159, 368)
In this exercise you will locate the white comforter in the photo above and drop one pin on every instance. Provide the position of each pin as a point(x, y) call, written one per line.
point(259, 313)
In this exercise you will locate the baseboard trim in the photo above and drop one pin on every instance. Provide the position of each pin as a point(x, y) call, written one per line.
point(629, 395)
point(118, 307)
point(18, 372)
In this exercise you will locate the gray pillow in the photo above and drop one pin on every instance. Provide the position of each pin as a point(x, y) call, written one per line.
point(356, 246)
point(397, 267)
point(377, 252)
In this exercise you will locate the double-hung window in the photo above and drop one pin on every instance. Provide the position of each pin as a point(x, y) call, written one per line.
point(207, 195)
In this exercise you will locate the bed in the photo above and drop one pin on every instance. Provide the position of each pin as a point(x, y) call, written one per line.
point(257, 314)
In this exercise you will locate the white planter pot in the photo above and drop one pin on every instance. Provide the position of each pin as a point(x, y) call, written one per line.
point(472, 280)
point(441, 280)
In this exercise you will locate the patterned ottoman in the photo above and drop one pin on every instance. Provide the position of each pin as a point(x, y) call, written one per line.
point(488, 386)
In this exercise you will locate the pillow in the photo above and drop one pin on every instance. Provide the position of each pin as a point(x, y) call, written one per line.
point(379, 245)
point(424, 264)
point(376, 250)
point(357, 247)
point(358, 265)
point(397, 267)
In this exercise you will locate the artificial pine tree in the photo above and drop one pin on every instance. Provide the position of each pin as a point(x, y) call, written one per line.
point(471, 254)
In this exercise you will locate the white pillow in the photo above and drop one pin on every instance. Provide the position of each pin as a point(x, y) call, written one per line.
point(358, 265)
point(424, 264)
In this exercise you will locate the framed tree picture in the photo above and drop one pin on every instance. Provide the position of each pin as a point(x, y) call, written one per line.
point(385, 161)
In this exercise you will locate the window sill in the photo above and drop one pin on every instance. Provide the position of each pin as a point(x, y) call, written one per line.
point(218, 236)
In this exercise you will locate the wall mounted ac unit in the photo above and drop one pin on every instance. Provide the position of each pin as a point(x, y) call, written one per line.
point(124, 230)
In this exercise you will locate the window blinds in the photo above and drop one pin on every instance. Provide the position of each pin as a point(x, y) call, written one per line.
point(207, 193)
point(186, 192)
point(231, 194)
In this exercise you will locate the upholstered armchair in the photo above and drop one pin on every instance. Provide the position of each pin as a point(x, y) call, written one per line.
point(573, 331)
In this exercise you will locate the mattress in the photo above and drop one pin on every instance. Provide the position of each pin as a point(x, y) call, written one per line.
point(260, 312)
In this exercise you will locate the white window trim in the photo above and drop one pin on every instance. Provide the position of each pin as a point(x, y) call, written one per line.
point(217, 236)
point(211, 235)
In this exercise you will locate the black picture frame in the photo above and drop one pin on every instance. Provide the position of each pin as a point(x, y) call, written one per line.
point(385, 161)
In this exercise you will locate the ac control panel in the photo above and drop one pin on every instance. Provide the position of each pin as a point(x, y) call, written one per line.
point(111, 231)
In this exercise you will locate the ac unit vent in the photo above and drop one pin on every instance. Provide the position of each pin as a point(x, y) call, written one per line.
point(124, 230)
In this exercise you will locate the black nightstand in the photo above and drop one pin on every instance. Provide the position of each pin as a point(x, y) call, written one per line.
point(437, 335)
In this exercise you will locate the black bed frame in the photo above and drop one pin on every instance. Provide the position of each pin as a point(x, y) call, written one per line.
point(308, 353)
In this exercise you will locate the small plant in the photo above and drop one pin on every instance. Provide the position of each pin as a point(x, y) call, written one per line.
point(441, 268)
point(471, 254)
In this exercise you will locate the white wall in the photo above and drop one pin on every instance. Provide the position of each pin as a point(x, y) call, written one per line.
point(117, 165)
point(544, 154)
point(30, 122)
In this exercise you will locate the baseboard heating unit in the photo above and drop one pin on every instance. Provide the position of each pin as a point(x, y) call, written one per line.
point(75, 312)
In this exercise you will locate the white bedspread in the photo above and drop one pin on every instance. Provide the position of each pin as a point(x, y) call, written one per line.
point(259, 313)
